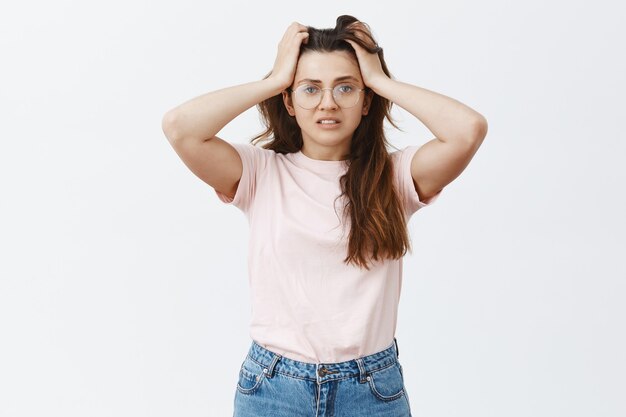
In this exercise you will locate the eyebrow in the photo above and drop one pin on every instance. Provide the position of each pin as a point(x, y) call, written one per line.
point(345, 77)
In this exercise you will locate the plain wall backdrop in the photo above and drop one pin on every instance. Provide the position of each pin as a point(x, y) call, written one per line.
point(124, 288)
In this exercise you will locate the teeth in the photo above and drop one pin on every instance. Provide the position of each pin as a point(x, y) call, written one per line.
point(327, 121)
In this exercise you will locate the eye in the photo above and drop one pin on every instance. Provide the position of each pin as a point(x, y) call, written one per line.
point(309, 89)
point(345, 88)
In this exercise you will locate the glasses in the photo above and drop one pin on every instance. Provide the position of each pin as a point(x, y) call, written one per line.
point(309, 96)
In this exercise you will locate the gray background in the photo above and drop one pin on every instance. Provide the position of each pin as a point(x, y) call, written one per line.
point(124, 287)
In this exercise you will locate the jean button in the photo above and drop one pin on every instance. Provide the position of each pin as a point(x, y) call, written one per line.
point(322, 371)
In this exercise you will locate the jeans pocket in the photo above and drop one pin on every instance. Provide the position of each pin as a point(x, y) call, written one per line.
point(387, 384)
point(251, 376)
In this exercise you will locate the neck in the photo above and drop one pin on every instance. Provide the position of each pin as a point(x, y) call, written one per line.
point(326, 153)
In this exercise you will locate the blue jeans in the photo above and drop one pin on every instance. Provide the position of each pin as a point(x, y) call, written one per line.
point(270, 385)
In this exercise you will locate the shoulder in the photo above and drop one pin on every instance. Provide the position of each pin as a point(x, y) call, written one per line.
point(255, 154)
point(401, 158)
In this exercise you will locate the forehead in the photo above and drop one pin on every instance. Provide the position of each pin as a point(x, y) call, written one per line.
point(326, 66)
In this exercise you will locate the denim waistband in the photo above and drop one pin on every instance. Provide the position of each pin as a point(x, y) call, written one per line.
point(360, 367)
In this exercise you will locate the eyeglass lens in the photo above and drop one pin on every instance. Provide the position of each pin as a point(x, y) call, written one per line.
point(310, 96)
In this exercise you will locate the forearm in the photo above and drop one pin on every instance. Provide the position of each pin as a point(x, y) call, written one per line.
point(447, 118)
point(204, 116)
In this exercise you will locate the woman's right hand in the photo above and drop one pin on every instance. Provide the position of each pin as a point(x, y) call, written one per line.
point(288, 51)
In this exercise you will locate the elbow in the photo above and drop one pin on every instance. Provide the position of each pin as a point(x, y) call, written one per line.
point(479, 129)
point(168, 125)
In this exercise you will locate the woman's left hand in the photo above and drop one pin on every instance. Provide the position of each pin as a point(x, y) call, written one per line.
point(369, 63)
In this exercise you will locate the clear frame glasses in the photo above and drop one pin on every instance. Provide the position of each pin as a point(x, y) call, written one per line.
point(309, 96)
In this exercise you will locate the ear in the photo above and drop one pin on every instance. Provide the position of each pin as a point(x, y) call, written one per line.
point(367, 102)
point(288, 103)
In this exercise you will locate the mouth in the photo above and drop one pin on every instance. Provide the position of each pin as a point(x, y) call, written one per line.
point(328, 121)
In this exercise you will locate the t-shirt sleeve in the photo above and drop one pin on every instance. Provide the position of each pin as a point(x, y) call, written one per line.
point(252, 160)
point(404, 180)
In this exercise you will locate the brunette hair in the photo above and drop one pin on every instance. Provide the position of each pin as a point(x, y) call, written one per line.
point(378, 224)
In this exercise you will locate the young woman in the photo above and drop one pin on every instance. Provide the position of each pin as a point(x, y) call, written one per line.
point(327, 207)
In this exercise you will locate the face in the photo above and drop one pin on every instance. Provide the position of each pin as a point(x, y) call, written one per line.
point(326, 67)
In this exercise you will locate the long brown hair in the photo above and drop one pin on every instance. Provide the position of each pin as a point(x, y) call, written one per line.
point(378, 225)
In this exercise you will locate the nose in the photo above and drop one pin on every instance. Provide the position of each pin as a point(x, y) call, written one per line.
point(327, 101)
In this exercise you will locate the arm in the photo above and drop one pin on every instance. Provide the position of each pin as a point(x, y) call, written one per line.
point(191, 127)
point(459, 130)
point(200, 118)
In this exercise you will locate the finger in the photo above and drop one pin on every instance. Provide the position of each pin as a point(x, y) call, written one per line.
point(293, 31)
point(297, 26)
point(301, 37)
point(294, 27)
point(355, 45)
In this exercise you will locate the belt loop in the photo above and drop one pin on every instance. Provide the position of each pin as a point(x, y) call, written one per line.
point(269, 372)
point(362, 373)
point(397, 349)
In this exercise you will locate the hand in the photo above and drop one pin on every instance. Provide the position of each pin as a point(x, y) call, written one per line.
point(288, 51)
point(369, 63)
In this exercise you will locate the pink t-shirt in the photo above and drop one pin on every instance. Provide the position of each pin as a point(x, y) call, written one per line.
point(307, 304)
